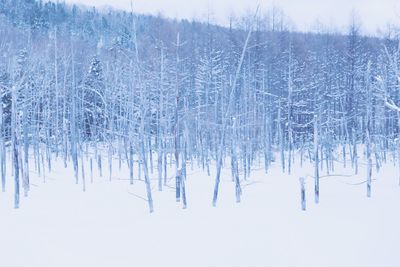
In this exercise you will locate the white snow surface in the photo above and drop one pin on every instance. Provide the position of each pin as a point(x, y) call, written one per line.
point(109, 225)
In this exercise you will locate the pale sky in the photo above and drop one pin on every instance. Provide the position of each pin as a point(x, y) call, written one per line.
point(374, 14)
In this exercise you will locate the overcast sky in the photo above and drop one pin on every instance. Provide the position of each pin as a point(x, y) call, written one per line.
point(374, 14)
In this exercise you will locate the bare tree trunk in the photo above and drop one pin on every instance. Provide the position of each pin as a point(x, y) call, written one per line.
point(302, 193)
point(281, 139)
point(367, 131)
point(316, 159)
point(228, 114)
point(369, 163)
point(2, 148)
point(15, 146)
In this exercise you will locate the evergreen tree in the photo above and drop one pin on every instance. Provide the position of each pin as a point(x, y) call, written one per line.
point(94, 103)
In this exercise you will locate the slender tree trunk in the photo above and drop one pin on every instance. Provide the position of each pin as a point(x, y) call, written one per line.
point(2, 148)
point(228, 114)
point(15, 147)
point(303, 193)
point(316, 159)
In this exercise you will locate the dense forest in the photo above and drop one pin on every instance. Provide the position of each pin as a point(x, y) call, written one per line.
point(80, 83)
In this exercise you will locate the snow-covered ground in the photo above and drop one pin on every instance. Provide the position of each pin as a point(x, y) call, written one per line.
point(109, 224)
